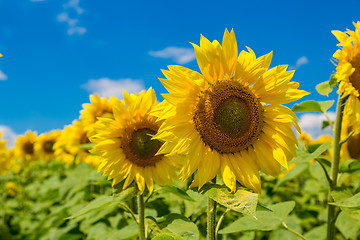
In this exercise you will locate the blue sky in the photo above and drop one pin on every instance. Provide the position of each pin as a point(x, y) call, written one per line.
point(58, 52)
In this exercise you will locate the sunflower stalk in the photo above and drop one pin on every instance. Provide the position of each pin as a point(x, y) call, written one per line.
point(211, 217)
point(335, 168)
point(141, 214)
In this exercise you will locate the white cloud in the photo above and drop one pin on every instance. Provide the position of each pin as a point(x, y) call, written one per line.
point(3, 76)
point(113, 87)
point(311, 123)
point(72, 23)
point(178, 55)
point(75, 5)
point(9, 135)
point(299, 62)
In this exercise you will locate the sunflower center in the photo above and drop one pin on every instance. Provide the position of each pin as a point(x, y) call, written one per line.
point(355, 77)
point(232, 116)
point(48, 146)
point(28, 148)
point(228, 117)
point(138, 146)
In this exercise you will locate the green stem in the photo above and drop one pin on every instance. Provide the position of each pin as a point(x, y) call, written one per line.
point(126, 208)
point(293, 231)
point(141, 221)
point(211, 217)
point(335, 168)
point(220, 221)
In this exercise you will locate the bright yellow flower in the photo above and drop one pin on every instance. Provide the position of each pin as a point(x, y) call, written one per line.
point(99, 107)
point(348, 72)
point(229, 118)
point(350, 149)
point(68, 144)
point(45, 143)
point(4, 157)
point(125, 145)
point(1, 55)
point(24, 147)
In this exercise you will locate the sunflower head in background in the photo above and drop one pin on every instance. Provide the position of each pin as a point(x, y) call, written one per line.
point(126, 147)
point(24, 147)
point(69, 146)
point(348, 72)
point(229, 118)
point(44, 145)
point(351, 148)
point(99, 107)
point(4, 159)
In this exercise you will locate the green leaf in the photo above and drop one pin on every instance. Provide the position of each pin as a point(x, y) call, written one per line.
point(264, 221)
point(352, 202)
point(326, 87)
point(97, 203)
point(306, 157)
point(87, 146)
point(325, 124)
point(241, 201)
point(178, 192)
point(166, 236)
point(293, 173)
point(178, 225)
point(317, 233)
point(308, 106)
point(347, 225)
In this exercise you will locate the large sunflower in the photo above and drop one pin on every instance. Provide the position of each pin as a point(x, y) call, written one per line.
point(99, 107)
point(348, 72)
point(24, 147)
point(125, 145)
point(229, 118)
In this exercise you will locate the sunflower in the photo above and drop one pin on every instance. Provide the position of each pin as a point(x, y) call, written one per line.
point(4, 160)
point(125, 145)
point(99, 107)
point(68, 147)
point(348, 72)
point(45, 143)
point(62, 145)
point(229, 118)
point(24, 147)
point(350, 148)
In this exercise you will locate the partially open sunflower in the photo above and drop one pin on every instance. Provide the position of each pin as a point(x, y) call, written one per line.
point(229, 118)
point(348, 72)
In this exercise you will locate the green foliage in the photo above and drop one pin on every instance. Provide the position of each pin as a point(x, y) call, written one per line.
point(326, 87)
point(57, 201)
point(242, 201)
point(308, 106)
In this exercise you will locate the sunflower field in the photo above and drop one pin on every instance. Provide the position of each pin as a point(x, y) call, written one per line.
point(221, 157)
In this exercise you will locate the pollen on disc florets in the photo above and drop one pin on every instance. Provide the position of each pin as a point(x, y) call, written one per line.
point(137, 144)
point(355, 77)
point(228, 117)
